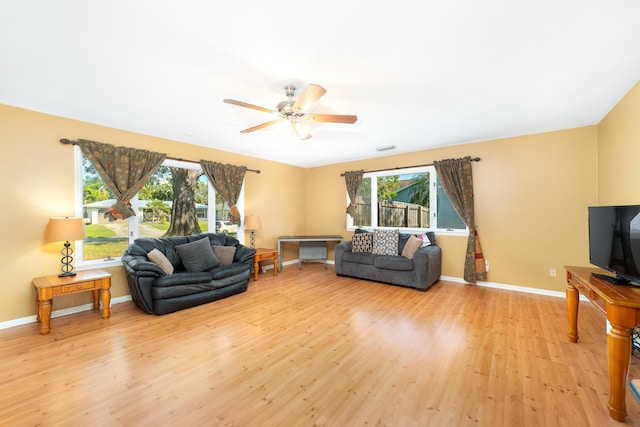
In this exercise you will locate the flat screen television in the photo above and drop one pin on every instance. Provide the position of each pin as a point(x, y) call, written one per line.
point(614, 242)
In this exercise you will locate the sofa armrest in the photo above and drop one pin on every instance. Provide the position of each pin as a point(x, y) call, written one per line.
point(138, 265)
point(244, 254)
point(428, 265)
point(140, 288)
point(339, 251)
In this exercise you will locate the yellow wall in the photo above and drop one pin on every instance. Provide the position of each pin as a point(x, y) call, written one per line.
point(37, 183)
point(531, 196)
point(619, 152)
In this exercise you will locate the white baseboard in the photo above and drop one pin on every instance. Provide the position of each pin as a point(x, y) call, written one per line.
point(514, 288)
point(61, 312)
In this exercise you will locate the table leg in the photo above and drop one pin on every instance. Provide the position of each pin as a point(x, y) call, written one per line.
point(572, 311)
point(106, 303)
point(38, 307)
point(96, 299)
point(275, 266)
point(256, 266)
point(622, 319)
point(279, 257)
point(44, 314)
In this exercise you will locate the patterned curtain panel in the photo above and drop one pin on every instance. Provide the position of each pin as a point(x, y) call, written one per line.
point(227, 180)
point(353, 179)
point(457, 181)
point(124, 170)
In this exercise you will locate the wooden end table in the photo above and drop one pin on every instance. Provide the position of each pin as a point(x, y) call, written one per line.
point(48, 287)
point(262, 254)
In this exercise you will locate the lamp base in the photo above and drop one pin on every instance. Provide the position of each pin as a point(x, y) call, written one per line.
point(67, 274)
point(67, 259)
point(252, 241)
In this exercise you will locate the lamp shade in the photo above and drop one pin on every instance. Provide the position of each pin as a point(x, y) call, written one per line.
point(252, 222)
point(64, 229)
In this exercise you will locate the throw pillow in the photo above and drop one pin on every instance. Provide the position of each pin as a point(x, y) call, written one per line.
point(362, 242)
point(402, 240)
point(385, 242)
point(412, 245)
point(157, 257)
point(425, 239)
point(224, 254)
point(198, 255)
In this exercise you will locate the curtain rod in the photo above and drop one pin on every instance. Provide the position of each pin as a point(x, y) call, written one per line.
point(475, 159)
point(69, 142)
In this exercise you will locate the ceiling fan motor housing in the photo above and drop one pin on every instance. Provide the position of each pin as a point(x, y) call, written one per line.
point(285, 108)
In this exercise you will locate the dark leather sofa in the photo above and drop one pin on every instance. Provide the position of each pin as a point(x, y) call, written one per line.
point(156, 292)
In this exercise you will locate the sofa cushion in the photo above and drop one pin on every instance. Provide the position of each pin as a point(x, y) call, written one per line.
point(362, 242)
point(161, 261)
point(224, 271)
point(385, 242)
point(182, 278)
point(224, 254)
point(358, 258)
point(412, 245)
point(393, 262)
point(197, 256)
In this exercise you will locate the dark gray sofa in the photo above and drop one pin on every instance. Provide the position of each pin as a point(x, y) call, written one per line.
point(156, 292)
point(420, 272)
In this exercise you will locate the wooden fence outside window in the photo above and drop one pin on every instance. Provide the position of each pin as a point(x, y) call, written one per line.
point(393, 214)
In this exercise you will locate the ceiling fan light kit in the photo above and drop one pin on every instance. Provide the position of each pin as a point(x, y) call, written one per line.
point(295, 111)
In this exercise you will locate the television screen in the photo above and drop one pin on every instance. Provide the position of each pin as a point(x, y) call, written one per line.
point(614, 241)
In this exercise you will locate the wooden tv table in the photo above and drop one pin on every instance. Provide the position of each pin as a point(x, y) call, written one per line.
point(621, 305)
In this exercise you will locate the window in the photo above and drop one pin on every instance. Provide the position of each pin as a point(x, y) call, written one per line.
point(409, 198)
point(105, 240)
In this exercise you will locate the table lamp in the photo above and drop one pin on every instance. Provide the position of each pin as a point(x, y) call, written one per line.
point(64, 229)
point(252, 223)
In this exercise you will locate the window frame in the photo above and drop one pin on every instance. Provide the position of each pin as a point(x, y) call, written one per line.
point(433, 203)
point(133, 231)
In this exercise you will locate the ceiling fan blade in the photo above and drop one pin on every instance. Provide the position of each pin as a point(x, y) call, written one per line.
point(261, 126)
point(301, 130)
point(331, 118)
point(244, 104)
point(310, 95)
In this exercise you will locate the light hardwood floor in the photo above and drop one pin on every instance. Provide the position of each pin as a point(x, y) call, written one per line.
point(307, 348)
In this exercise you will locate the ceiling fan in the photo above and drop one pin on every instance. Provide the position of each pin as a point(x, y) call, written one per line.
point(295, 111)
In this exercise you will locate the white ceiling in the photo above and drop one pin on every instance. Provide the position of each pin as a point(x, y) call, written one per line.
point(419, 74)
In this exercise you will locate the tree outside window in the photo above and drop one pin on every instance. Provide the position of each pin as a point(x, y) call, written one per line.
point(173, 202)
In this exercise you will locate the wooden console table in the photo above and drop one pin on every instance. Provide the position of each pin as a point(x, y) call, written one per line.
point(621, 305)
point(309, 247)
point(48, 287)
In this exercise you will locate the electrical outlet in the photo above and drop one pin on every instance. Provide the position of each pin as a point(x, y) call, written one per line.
point(486, 265)
point(552, 272)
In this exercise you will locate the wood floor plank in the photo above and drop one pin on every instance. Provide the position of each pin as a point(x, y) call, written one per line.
point(308, 348)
